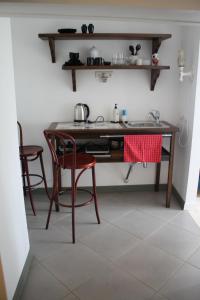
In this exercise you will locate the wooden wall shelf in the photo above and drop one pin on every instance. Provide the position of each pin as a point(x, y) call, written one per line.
point(155, 71)
point(155, 38)
point(51, 37)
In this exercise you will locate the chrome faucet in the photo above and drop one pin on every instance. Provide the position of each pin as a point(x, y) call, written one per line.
point(156, 115)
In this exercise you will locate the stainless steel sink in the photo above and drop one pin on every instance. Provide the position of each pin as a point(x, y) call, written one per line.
point(144, 124)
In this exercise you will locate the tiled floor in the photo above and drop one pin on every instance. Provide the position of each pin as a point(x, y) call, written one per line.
point(140, 251)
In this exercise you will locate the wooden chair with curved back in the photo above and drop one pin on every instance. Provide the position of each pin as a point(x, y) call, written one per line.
point(71, 161)
point(29, 153)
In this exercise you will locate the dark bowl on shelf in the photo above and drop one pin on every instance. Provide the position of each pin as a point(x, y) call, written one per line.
point(66, 30)
point(107, 63)
point(74, 55)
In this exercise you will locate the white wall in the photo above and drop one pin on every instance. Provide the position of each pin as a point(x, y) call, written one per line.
point(14, 243)
point(44, 90)
point(188, 159)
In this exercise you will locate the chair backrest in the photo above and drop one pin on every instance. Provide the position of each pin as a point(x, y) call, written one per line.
point(58, 138)
point(20, 135)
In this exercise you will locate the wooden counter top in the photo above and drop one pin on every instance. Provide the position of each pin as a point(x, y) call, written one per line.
point(94, 132)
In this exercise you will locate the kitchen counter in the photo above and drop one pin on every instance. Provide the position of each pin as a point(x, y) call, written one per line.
point(82, 130)
point(108, 130)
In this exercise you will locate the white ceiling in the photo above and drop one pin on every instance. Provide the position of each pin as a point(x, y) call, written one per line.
point(100, 12)
point(170, 4)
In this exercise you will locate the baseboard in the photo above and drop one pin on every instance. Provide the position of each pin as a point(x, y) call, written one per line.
point(178, 197)
point(130, 188)
point(23, 277)
point(119, 188)
point(134, 188)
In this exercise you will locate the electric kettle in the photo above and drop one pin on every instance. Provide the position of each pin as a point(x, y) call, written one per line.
point(81, 112)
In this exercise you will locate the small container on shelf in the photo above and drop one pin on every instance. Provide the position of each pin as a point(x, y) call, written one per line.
point(124, 116)
point(84, 28)
point(115, 114)
point(91, 28)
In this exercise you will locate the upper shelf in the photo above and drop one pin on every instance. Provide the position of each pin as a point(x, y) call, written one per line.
point(103, 36)
point(51, 37)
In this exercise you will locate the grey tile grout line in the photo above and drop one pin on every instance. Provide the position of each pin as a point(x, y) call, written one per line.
point(106, 259)
point(190, 231)
point(117, 266)
point(165, 298)
point(167, 222)
point(70, 295)
point(139, 240)
point(57, 279)
point(185, 260)
point(43, 267)
point(191, 256)
point(182, 262)
point(173, 274)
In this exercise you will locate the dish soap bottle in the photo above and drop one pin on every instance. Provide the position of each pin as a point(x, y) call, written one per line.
point(116, 114)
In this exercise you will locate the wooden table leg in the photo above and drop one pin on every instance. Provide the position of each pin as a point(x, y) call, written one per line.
point(57, 208)
point(170, 170)
point(157, 180)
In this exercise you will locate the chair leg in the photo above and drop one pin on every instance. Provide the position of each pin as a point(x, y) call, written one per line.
point(95, 194)
point(73, 195)
point(23, 177)
point(49, 213)
point(43, 175)
point(29, 184)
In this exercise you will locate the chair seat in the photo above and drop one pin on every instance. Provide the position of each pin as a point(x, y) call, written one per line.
point(30, 150)
point(82, 161)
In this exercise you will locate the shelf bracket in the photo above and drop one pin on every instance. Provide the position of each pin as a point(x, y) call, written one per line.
point(154, 76)
point(52, 49)
point(74, 80)
point(156, 42)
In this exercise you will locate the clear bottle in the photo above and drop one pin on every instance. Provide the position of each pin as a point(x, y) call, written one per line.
point(116, 114)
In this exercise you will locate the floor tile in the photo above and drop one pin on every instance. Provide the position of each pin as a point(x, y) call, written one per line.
point(75, 265)
point(85, 223)
point(185, 221)
point(45, 242)
point(195, 259)
point(113, 285)
point(71, 297)
point(158, 297)
point(140, 247)
point(175, 241)
point(113, 206)
point(157, 207)
point(149, 264)
point(184, 285)
point(42, 285)
point(110, 242)
point(139, 224)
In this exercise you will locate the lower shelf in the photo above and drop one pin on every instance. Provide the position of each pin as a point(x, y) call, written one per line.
point(155, 71)
point(118, 156)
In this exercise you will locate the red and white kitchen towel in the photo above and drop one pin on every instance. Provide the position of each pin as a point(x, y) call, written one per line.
point(142, 148)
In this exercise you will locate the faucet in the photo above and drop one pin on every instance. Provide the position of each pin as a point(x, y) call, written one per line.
point(156, 115)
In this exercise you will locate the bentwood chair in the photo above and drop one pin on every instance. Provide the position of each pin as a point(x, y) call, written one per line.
point(28, 154)
point(72, 161)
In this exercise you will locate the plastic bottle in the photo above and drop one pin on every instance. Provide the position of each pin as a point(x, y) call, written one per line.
point(115, 114)
point(124, 115)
